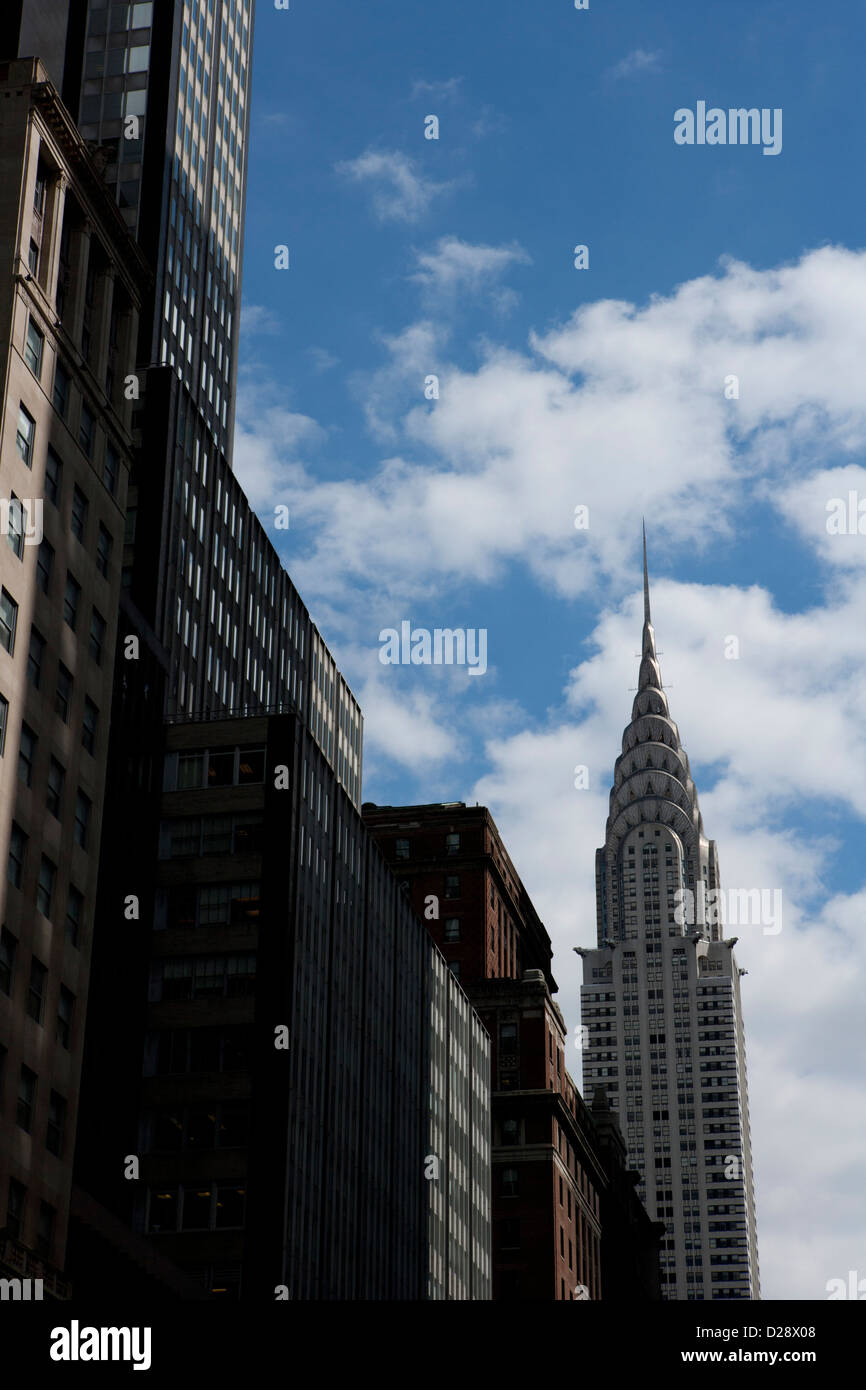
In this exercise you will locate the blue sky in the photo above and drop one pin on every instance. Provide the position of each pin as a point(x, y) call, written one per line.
point(602, 387)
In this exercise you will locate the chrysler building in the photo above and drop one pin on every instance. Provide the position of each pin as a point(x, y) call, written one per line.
point(661, 1007)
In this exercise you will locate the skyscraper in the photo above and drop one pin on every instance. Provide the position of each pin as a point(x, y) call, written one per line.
point(661, 1002)
point(53, 32)
point(165, 99)
point(304, 1080)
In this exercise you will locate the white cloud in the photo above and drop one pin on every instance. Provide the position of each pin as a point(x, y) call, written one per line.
point(621, 408)
point(399, 192)
point(258, 319)
point(438, 91)
point(490, 122)
point(835, 498)
point(639, 60)
point(323, 360)
point(268, 479)
point(454, 265)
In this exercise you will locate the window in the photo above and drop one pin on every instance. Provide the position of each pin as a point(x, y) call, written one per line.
point(452, 844)
point(190, 767)
point(45, 886)
point(79, 514)
point(15, 1208)
point(26, 1098)
point(65, 1005)
point(33, 258)
point(53, 476)
point(86, 430)
point(103, 550)
point(196, 1208)
point(39, 191)
point(229, 1207)
point(89, 724)
point(204, 977)
point(54, 794)
point(82, 819)
point(17, 853)
point(74, 915)
point(247, 832)
point(70, 600)
point(221, 768)
point(4, 720)
point(508, 1037)
point(401, 849)
point(36, 990)
point(24, 437)
point(97, 636)
point(509, 1182)
point(45, 1230)
point(8, 621)
point(56, 1124)
point(60, 395)
point(452, 886)
point(63, 694)
point(8, 944)
point(44, 565)
point(510, 1132)
point(26, 754)
point(452, 928)
point(251, 765)
point(15, 527)
point(33, 349)
point(34, 657)
point(110, 469)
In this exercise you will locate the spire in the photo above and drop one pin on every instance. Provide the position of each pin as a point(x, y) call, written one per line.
point(650, 675)
point(652, 781)
point(646, 602)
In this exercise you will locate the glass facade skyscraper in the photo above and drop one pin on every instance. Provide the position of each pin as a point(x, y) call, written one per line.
point(165, 99)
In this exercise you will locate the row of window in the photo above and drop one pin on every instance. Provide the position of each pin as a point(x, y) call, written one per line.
point(195, 836)
point(25, 1106)
point(452, 846)
point(178, 1051)
point(203, 977)
point(195, 1128)
point(71, 603)
point(15, 1217)
point(47, 880)
point(55, 785)
point(25, 437)
point(64, 688)
point(219, 767)
point(210, 905)
point(37, 990)
point(205, 1208)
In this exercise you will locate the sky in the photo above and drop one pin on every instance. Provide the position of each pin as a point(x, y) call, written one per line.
point(468, 429)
